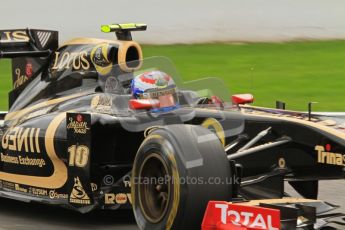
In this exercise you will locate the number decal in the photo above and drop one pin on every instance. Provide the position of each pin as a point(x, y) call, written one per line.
point(78, 155)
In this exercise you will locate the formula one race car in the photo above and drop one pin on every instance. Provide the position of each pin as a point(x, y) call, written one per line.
point(93, 125)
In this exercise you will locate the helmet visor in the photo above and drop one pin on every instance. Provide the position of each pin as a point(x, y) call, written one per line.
point(166, 97)
point(166, 101)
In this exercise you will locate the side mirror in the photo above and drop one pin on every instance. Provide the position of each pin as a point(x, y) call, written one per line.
point(240, 99)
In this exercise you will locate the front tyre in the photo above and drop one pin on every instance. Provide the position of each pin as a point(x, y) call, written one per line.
point(177, 170)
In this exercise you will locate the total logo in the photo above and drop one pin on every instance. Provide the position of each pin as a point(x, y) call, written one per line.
point(222, 214)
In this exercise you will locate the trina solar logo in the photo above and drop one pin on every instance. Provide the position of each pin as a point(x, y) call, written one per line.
point(327, 157)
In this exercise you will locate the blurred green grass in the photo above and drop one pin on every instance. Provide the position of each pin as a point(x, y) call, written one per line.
point(294, 72)
point(5, 83)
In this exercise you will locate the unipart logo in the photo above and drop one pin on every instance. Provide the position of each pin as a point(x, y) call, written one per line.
point(221, 215)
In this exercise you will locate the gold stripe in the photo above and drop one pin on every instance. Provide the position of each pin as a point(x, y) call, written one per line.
point(19, 113)
point(59, 176)
point(37, 140)
point(176, 199)
point(91, 41)
point(304, 122)
point(175, 176)
point(214, 123)
point(262, 109)
point(122, 49)
point(32, 132)
point(277, 201)
point(122, 54)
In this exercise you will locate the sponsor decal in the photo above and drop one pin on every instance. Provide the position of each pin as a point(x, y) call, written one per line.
point(31, 190)
point(43, 37)
point(78, 194)
point(53, 194)
point(127, 183)
point(78, 155)
point(111, 85)
point(20, 160)
point(38, 191)
point(20, 78)
point(18, 188)
point(13, 36)
point(94, 187)
point(325, 156)
point(227, 215)
point(58, 177)
point(68, 60)
point(79, 125)
point(8, 185)
point(102, 103)
point(99, 58)
point(22, 139)
point(120, 198)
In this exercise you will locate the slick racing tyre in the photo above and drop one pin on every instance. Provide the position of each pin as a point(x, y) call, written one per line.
point(177, 170)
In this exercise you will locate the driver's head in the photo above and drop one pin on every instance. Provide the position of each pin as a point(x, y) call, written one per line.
point(158, 87)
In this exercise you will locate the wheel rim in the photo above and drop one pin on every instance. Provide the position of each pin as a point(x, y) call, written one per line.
point(154, 188)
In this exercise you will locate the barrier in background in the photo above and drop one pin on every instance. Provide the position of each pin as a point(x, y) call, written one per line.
point(181, 21)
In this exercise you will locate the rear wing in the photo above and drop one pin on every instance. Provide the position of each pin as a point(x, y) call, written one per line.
point(30, 50)
point(27, 43)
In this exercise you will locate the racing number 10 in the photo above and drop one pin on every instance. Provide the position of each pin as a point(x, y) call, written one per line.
point(78, 155)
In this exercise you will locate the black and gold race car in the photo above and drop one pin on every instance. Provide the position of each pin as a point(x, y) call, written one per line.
point(75, 136)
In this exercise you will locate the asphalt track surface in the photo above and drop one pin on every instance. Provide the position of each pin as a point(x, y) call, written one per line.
point(15, 215)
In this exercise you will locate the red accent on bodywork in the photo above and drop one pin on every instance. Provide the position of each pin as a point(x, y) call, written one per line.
point(216, 101)
point(239, 99)
point(28, 70)
point(214, 220)
point(328, 147)
point(143, 104)
point(79, 118)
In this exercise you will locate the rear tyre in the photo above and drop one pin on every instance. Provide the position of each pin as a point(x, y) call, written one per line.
point(177, 170)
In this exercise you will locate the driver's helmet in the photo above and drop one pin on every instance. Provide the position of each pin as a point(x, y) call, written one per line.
point(157, 87)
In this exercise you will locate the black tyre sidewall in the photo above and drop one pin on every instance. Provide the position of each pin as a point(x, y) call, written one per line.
point(179, 144)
